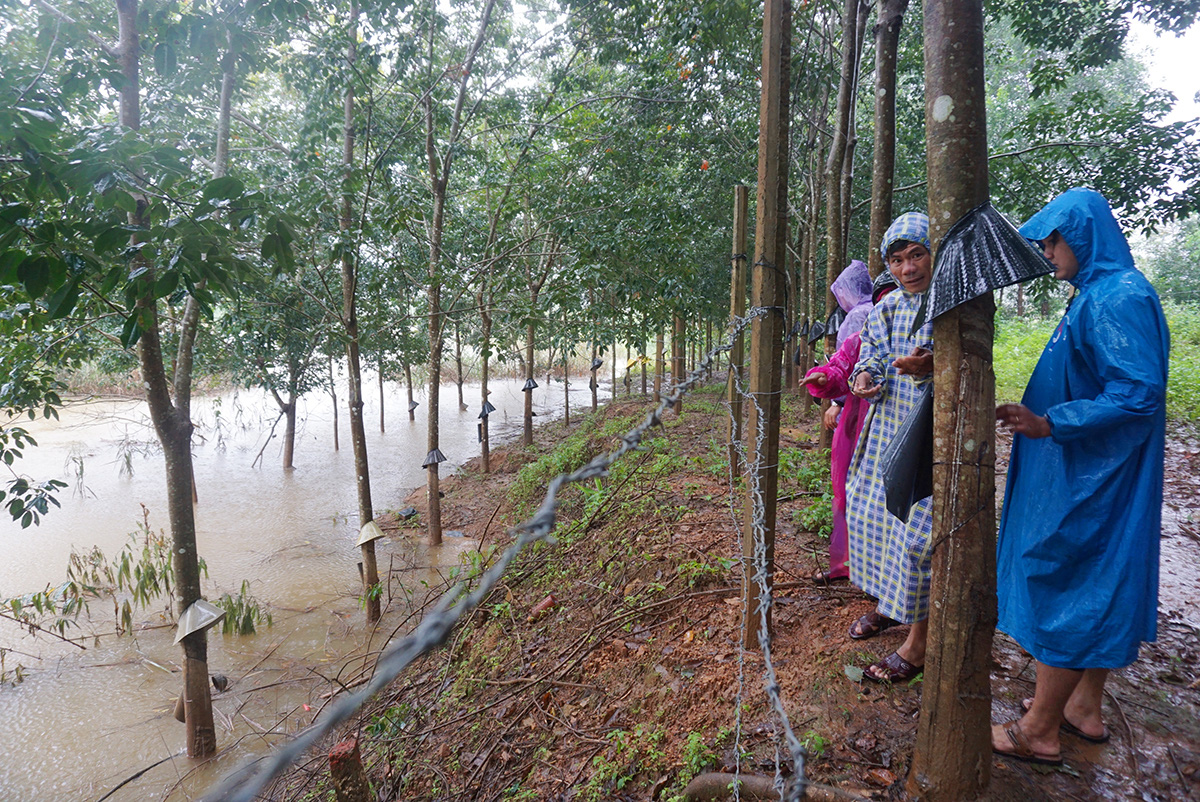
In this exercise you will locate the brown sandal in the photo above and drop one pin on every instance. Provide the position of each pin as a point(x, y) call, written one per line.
point(825, 578)
point(1021, 748)
point(1071, 729)
point(870, 625)
point(895, 669)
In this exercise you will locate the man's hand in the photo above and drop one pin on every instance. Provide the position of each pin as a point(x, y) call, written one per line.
point(818, 378)
point(1019, 419)
point(831, 417)
point(864, 386)
point(918, 363)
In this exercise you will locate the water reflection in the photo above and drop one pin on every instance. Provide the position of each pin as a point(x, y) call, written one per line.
point(86, 721)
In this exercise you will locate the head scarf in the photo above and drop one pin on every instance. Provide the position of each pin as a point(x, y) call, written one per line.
point(1086, 222)
point(911, 227)
point(852, 289)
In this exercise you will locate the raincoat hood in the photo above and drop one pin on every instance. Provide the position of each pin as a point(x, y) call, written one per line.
point(1087, 224)
point(852, 288)
point(910, 227)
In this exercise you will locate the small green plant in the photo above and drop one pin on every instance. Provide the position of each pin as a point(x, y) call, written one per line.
point(817, 517)
point(243, 613)
point(814, 743)
point(700, 572)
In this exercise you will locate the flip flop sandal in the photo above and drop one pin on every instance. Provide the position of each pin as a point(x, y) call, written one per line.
point(1022, 750)
point(895, 668)
point(870, 625)
point(1071, 729)
point(825, 578)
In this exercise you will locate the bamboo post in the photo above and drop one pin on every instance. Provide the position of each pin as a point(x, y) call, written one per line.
point(737, 309)
point(952, 757)
point(767, 292)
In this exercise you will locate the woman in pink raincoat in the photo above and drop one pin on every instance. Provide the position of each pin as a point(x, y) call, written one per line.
point(855, 295)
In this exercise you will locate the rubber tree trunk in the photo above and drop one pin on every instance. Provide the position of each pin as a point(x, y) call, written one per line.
point(289, 432)
point(659, 365)
point(679, 353)
point(172, 424)
point(333, 396)
point(527, 420)
point(382, 407)
point(458, 371)
point(358, 430)
point(485, 455)
point(595, 381)
point(887, 39)
point(408, 384)
point(766, 335)
point(952, 758)
point(737, 310)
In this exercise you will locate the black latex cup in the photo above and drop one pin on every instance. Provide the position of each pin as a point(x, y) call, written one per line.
point(980, 253)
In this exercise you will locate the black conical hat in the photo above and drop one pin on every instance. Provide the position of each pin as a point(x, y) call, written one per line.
point(980, 253)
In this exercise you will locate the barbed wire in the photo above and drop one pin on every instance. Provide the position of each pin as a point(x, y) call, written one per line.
point(761, 577)
point(245, 783)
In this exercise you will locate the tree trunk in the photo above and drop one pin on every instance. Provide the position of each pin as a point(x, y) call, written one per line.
point(485, 456)
point(766, 336)
point(595, 381)
point(659, 365)
point(333, 395)
point(1020, 301)
point(458, 371)
point(289, 432)
point(887, 38)
point(952, 757)
point(408, 384)
point(172, 424)
point(358, 432)
point(679, 352)
point(379, 374)
point(530, 332)
point(737, 310)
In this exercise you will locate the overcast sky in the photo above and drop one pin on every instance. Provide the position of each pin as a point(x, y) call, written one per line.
point(1174, 64)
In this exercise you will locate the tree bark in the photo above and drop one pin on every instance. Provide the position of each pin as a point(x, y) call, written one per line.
point(737, 310)
point(887, 39)
point(952, 758)
point(766, 336)
point(659, 365)
point(172, 424)
point(333, 395)
point(679, 351)
point(358, 432)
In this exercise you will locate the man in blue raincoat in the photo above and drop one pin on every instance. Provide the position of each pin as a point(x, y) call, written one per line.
point(1077, 552)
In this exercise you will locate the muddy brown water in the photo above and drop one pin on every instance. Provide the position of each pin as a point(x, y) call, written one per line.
point(83, 721)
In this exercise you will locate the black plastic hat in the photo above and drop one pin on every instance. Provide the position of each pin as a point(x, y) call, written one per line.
point(433, 458)
point(596, 363)
point(412, 405)
point(530, 384)
point(980, 253)
point(488, 409)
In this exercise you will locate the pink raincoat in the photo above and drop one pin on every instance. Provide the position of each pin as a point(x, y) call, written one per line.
point(845, 437)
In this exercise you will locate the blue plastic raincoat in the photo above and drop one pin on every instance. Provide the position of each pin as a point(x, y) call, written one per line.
point(1079, 535)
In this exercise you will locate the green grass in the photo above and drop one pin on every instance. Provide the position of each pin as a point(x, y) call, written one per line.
point(1019, 344)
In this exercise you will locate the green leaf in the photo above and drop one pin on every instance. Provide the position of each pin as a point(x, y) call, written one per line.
point(9, 262)
point(165, 61)
point(854, 673)
point(63, 301)
point(130, 332)
point(166, 284)
point(35, 275)
point(225, 187)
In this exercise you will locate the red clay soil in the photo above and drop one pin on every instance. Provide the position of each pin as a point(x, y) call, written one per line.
point(630, 679)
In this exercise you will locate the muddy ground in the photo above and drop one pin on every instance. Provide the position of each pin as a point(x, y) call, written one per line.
point(608, 666)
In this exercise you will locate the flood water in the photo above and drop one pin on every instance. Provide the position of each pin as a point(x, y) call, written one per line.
point(84, 721)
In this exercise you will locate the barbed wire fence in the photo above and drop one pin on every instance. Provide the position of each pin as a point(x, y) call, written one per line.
point(246, 783)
